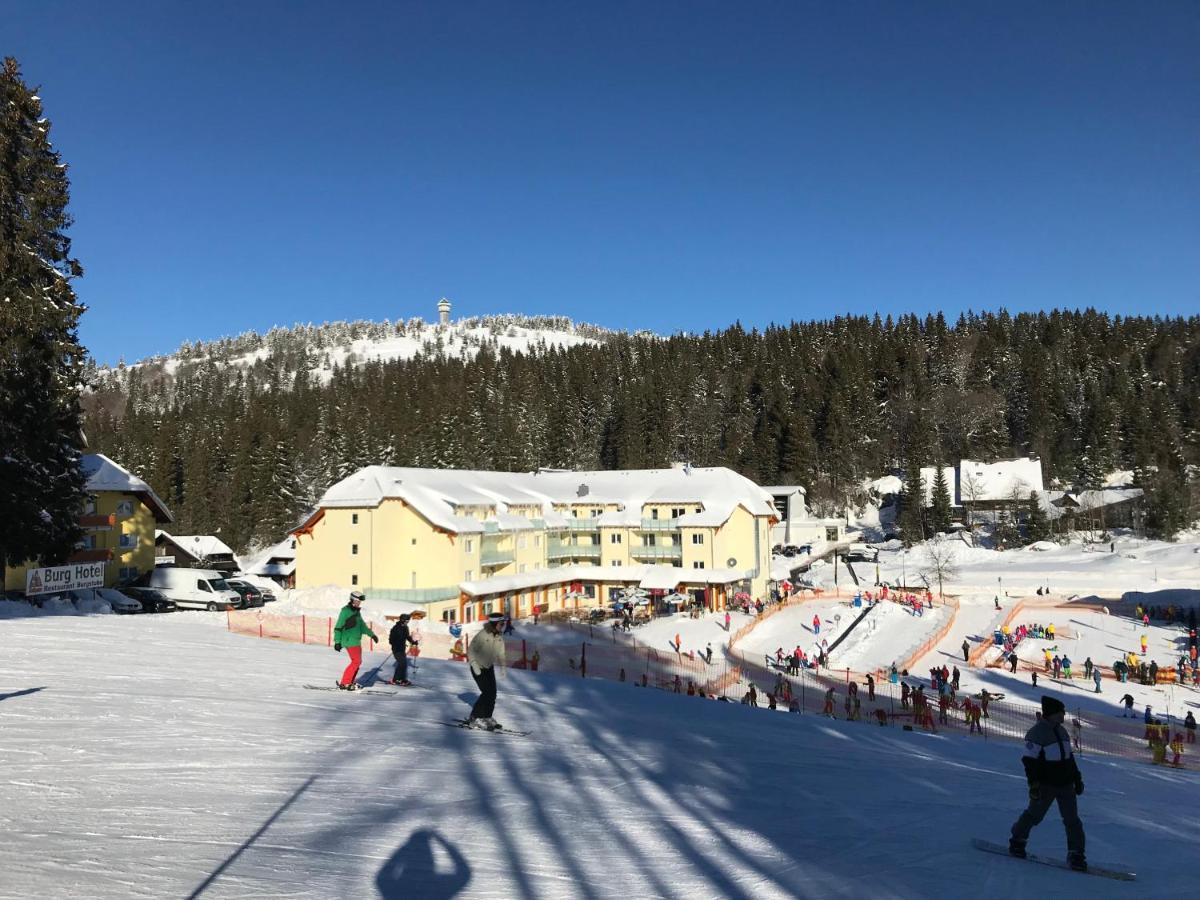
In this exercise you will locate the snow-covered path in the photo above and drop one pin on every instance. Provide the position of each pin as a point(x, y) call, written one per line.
point(152, 757)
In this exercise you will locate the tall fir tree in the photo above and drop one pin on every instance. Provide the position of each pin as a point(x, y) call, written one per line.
point(939, 511)
point(1037, 525)
point(41, 359)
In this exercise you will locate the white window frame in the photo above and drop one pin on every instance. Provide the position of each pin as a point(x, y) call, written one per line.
point(470, 548)
point(124, 509)
point(353, 518)
point(698, 538)
point(354, 549)
point(128, 541)
point(698, 564)
point(615, 537)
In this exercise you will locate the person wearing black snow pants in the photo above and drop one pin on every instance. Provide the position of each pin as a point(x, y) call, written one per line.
point(486, 704)
point(485, 652)
point(1053, 777)
point(399, 638)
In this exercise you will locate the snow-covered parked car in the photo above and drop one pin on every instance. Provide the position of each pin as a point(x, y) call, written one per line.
point(90, 600)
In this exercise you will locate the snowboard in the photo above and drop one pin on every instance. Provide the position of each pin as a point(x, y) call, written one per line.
point(462, 723)
point(1002, 849)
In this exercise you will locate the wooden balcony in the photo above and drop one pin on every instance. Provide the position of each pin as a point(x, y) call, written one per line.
point(98, 521)
point(98, 555)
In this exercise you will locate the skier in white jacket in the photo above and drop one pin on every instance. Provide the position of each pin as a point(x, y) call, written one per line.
point(486, 652)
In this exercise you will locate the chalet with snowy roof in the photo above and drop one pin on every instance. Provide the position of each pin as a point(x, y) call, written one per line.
point(466, 543)
point(1118, 507)
point(280, 563)
point(795, 525)
point(194, 551)
point(983, 486)
point(118, 520)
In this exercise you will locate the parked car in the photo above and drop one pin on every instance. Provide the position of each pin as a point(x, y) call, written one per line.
point(268, 595)
point(85, 597)
point(198, 588)
point(152, 600)
point(251, 595)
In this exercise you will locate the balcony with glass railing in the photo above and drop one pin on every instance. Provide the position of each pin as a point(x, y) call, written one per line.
point(414, 595)
point(564, 550)
point(649, 551)
point(660, 525)
point(496, 557)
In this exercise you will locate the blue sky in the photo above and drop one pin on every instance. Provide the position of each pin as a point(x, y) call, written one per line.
point(640, 165)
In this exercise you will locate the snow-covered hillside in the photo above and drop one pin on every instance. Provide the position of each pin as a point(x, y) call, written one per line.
point(193, 762)
point(321, 348)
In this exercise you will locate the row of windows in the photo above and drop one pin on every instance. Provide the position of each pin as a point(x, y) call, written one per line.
point(649, 541)
point(125, 542)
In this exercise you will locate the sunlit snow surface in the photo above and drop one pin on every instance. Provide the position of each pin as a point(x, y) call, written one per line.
point(159, 756)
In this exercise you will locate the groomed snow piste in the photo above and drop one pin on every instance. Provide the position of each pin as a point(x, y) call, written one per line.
point(159, 756)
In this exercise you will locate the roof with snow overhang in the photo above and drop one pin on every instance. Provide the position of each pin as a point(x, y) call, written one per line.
point(1000, 480)
point(105, 475)
point(456, 500)
point(201, 546)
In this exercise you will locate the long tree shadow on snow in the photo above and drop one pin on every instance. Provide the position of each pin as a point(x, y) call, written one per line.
point(23, 693)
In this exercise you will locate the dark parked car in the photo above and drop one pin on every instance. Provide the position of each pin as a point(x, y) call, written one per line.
point(152, 600)
point(251, 596)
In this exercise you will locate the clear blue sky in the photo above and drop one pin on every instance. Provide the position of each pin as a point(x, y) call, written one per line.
point(640, 165)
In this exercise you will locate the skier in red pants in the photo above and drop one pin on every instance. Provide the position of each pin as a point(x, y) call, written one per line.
point(348, 633)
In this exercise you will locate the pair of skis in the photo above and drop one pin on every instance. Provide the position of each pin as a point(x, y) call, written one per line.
point(457, 723)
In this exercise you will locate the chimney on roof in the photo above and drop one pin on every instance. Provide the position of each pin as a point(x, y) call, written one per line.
point(443, 311)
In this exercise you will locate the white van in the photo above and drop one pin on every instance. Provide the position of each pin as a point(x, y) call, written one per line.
point(202, 588)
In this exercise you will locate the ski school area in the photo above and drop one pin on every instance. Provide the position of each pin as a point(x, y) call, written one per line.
point(193, 761)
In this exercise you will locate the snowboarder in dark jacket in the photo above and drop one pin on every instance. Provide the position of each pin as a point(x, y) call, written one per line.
point(399, 638)
point(1053, 776)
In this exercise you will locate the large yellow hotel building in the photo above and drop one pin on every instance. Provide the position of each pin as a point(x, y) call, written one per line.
point(466, 543)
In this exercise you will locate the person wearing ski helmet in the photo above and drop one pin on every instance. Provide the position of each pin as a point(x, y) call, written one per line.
point(399, 638)
point(1053, 776)
point(348, 633)
point(484, 654)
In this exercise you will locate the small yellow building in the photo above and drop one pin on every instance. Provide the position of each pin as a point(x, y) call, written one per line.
point(466, 543)
point(118, 520)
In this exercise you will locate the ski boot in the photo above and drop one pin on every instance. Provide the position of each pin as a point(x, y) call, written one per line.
point(1016, 848)
point(1077, 861)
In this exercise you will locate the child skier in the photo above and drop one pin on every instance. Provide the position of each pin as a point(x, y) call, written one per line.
point(399, 638)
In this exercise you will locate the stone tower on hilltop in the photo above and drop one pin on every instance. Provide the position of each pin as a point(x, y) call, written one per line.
point(443, 311)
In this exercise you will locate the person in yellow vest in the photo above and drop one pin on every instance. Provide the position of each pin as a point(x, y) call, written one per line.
point(1050, 632)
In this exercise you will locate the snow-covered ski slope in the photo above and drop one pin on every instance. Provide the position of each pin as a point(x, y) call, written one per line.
point(159, 756)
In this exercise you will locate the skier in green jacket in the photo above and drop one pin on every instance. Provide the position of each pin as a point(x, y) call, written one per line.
point(348, 633)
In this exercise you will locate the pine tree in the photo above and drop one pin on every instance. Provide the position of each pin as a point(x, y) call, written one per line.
point(1037, 525)
point(939, 512)
point(912, 516)
point(41, 360)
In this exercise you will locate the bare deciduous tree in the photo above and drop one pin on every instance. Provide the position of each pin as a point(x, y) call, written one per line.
point(941, 561)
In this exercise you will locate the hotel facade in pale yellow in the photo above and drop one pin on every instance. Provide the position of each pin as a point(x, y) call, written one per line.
point(118, 519)
point(466, 543)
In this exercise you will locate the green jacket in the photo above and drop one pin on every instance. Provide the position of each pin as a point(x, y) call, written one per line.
point(351, 627)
